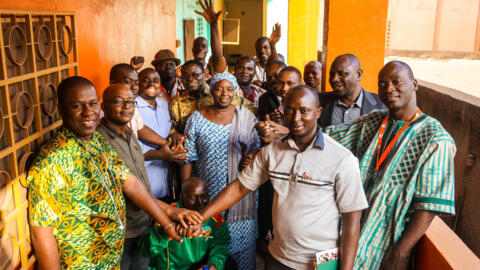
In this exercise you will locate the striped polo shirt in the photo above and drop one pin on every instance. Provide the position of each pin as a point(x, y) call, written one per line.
point(311, 188)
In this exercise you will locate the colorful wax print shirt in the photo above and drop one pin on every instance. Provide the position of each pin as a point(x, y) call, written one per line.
point(184, 105)
point(66, 192)
point(418, 174)
point(192, 253)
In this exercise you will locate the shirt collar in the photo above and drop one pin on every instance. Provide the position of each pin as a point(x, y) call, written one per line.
point(141, 103)
point(358, 103)
point(317, 142)
point(112, 132)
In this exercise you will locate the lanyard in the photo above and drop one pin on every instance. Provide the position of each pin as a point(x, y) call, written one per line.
point(381, 158)
point(165, 93)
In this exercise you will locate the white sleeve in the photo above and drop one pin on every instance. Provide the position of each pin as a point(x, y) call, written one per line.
point(348, 186)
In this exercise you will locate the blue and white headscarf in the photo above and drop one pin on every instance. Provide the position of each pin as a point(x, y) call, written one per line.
point(223, 76)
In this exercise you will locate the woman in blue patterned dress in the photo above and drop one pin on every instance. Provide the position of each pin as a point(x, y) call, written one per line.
point(219, 137)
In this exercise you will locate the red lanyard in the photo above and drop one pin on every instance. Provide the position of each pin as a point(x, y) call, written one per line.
point(165, 93)
point(381, 158)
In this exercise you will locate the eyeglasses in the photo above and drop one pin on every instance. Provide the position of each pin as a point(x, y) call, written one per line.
point(196, 76)
point(122, 103)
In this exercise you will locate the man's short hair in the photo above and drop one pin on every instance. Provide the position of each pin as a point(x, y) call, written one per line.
point(245, 57)
point(291, 69)
point(280, 63)
point(116, 68)
point(145, 70)
point(312, 90)
point(68, 84)
point(405, 65)
point(194, 62)
point(351, 57)
point(260, 39)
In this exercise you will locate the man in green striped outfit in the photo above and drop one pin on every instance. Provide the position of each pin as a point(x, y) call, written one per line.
point(407, 170)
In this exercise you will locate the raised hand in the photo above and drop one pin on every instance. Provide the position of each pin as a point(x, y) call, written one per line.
point(208, 13)
point(276, 34)
point(137, 62)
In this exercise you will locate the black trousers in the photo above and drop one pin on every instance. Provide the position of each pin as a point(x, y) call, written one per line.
point(131, 259)
point(272, 264)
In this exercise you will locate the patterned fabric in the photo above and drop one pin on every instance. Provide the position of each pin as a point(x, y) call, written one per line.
point(254, 96)
point(243, 138)
point(207, 144)
point(224, 76)
point(418, 174)
point(65, 191)
point(184, 105)
point(177, 89)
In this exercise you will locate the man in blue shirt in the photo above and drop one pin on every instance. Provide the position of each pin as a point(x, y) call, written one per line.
point(155, 115)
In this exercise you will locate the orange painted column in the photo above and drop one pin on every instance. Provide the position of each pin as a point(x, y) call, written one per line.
point(358, 27)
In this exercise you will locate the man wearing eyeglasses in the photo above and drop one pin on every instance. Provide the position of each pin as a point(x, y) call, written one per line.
point(195, 97)
point(118, 107)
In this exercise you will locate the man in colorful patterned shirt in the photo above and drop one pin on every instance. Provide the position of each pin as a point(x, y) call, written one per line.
point(75, 190)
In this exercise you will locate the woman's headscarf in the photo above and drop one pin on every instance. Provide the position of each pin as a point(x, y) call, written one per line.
point(223, 76)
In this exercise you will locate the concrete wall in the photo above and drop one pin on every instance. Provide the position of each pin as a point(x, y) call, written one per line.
point(110, 32)
point(459, 114)
point(414, 19)
point(457, 25)
point(250, 14)
point(425, 25)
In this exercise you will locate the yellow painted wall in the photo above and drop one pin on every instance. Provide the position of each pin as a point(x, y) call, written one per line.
point(250, 14)
point(358, 27)
point(302, 32)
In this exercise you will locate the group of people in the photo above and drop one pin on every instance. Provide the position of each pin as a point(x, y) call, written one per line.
point(192, 167)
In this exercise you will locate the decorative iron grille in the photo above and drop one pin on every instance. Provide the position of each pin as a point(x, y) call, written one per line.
point(37, 50)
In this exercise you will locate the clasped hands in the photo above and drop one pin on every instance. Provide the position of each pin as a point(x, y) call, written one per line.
point(173, 150)
point(189, 223)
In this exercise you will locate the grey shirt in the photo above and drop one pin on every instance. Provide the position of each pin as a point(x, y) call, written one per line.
point(311, 189)
point(130, 152)
point(343, 114)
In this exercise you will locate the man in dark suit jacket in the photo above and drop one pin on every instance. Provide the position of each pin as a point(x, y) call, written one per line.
point(349, 100)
